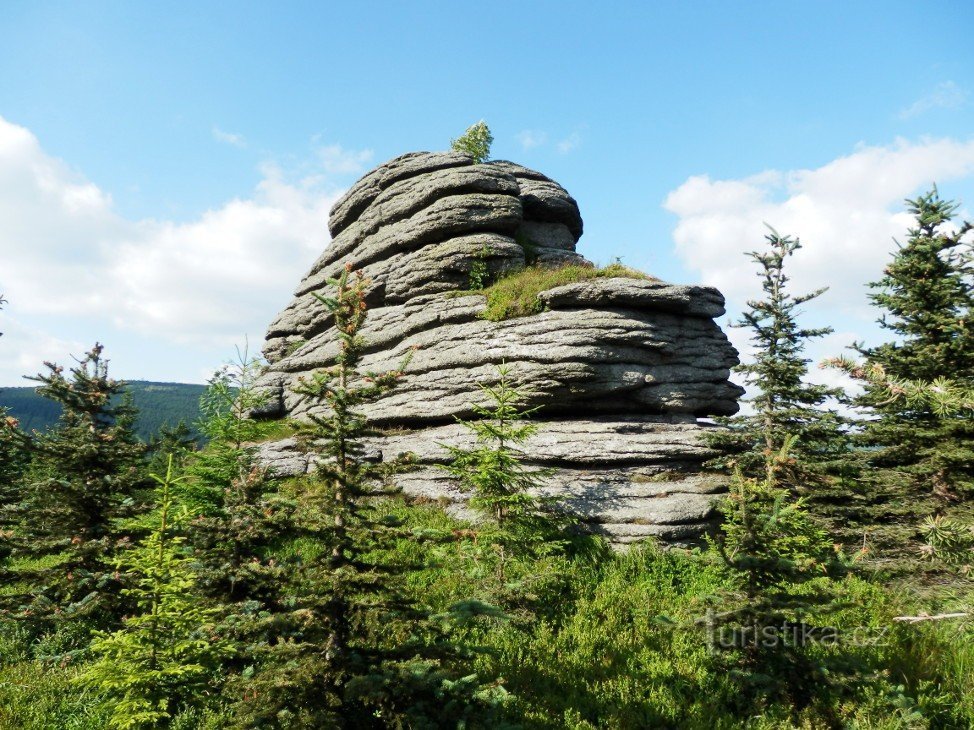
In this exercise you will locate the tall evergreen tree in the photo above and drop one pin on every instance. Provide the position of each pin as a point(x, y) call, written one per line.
point(365, 654)
point(85, 474)
point(786, 408)
point(241, 519)
point(927, 300)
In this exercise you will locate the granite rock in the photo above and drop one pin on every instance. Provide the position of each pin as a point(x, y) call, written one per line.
point(621, 368)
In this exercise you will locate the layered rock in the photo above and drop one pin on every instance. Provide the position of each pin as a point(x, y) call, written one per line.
point(621, 367)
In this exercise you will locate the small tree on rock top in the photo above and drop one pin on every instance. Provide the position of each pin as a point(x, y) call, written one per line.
point(476, 142)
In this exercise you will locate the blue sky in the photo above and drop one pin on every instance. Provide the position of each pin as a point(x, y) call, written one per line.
point(149, 148)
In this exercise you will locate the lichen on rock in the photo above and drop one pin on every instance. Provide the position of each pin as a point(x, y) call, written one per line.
point(622, 364)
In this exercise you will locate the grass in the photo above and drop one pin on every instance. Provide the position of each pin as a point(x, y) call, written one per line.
point(600, 640)
point(516, 295)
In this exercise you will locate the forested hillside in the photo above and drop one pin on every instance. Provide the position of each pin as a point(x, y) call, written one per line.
point(159, 404)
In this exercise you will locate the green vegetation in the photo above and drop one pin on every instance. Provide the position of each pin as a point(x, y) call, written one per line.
point(83, 478)
point(786, 406)
point(926, 297)
point(221, 598)
point(364, 647)
point(516, 295)
point(162, 659)
point(159, 405)
point(947, 539)
point(476, 142)
point(790, 416)
point(479, 272)
point(773, 551)
point(623, 642)
point(516, 521)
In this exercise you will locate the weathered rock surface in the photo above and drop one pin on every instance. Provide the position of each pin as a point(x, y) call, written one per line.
point(622, 367)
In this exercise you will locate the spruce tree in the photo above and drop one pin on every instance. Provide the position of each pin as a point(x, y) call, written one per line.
point(241, 519)
point(786, 404)
point(14, 458)
point(360, 651)
point(948, 539)
point(787, 408)
point(776, 557)
point(926, 297)
point(177, 441)
point(476, 142)
point(518, 522)
point(164, 658)
point(225, 406)
point(85, 474)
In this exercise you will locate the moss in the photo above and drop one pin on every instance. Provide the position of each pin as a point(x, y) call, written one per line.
point(275, 430)
point(516, 295)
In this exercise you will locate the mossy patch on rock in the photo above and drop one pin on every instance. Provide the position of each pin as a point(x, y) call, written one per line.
point(516, 295)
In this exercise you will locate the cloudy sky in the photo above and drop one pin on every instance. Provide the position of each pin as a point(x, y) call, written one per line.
point(166, 172)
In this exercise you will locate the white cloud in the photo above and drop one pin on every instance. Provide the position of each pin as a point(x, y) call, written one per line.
point(25, 349)
point(569, 143)
point(946, 95)
point(530, 138)
point(846, 214)
point(230, 138)
point(66, 252)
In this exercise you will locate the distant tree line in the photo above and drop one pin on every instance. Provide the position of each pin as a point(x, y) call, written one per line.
point(159, 404)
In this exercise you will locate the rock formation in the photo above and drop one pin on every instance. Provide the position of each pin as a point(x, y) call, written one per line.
point(621, 367)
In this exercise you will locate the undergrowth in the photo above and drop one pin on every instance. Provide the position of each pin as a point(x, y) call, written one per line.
point(597, 640)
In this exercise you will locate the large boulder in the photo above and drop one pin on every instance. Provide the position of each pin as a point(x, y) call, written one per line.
point(621, 367)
